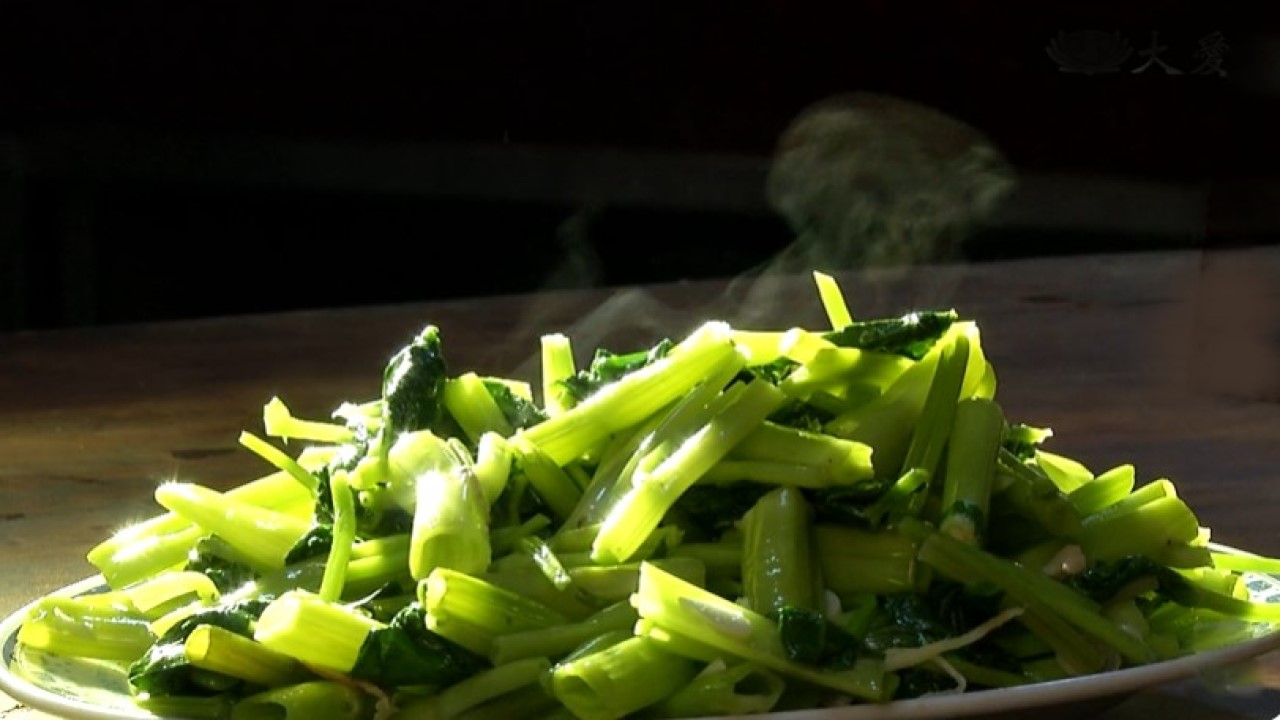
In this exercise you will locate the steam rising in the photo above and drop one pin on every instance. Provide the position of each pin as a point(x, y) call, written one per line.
point(878, 185)
point(630, 319)
point(867, 183)
point(875, 181)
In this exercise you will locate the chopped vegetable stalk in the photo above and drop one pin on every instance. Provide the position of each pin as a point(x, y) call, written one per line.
point(937, 416)
point(846, 373)
point(970, 468)
point(554, 486)
point(640, 511)
point(279, 422)
point(276, 457)
point(721, 558)
point(108, 601)
point(706, 619)
point(888, 422)
point(313, 700)
point(476, 690)
point(557, 366)
point(767, 472)
point(636, 396)
point(493, 465)
point(473, 612)
point(412, 454)
point(721, 689)
point(764, 347)
point(1184, 555)
point(469, 402)
point(213, 707)
point(1031, 589)
point(1069, 475)
point(598, 643)
point(1240, 562)
point(1143, 530)
point(558, 640)
point(616, 582)
point(652, 442)
point(213, 648)
point(302, 626)
point(896, 500)
point(264, 537)
point(1075, 653)
point(776, 568)
point(854, 561)
point(832, 301)
point(450, 524)
point(519, 574)
point(344, 534)
point(844, 461)
point(546, 560)
point(143, 549)
point(63, 627)
point(611, 478)
point(681, 645)
point(800, 346)
point(619, 680)
point(1030, 496)
point(162, 590)
point(365, 575)
point(505, 539)
point(1104, 490)
point(533, 701)
point(1152, 491)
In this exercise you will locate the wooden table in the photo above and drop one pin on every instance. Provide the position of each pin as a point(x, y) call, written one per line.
point(1170, 361)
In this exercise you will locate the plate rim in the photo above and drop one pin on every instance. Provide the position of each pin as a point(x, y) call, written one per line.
point(39, 698)
point(1085, 687)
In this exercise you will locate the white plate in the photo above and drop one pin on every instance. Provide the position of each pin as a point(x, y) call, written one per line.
point(86, 690)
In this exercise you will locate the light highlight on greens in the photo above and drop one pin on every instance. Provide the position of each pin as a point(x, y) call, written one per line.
point(739, 521)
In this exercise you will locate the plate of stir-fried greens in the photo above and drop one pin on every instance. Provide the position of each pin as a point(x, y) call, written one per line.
point(839, 522)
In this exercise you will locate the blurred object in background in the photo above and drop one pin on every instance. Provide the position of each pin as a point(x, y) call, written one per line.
point(869, 180)
point(191, 161)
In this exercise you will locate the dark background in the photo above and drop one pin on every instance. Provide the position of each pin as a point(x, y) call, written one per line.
point(163, 161)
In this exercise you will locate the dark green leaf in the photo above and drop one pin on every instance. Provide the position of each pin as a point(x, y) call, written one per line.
point(774, 372)
point(911, 335)
point(519, 412)
point(847, 504)
point(164, 670)
point(1102, 580)
point(810, 638)
point(707, 510)
point(946, 610)
point(606, 367)
point(804, 634)
point(799, 414)
point(226, 573)
point(316, 542)
point(373, 518)
point(413, 383)
point(405, 652)
point(347, 457)
point(915, 682)
point(237, 618)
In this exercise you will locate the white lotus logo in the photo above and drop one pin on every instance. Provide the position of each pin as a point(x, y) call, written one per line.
point(1089, 52)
